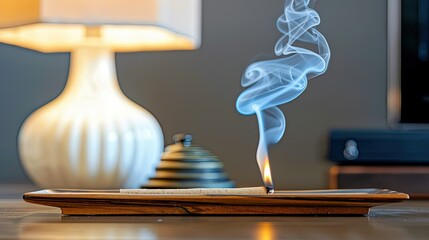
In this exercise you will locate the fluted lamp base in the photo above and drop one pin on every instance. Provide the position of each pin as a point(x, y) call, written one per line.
point(92, 135)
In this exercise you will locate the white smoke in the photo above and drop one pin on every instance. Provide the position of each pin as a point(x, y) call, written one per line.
point(274, 82)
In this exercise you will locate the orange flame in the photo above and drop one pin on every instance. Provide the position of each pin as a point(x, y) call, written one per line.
point(266, 173)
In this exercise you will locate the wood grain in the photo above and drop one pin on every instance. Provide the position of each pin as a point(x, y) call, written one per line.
point(281, 203)
point(21, 220)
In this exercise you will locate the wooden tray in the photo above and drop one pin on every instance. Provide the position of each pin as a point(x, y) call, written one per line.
point(112, 202)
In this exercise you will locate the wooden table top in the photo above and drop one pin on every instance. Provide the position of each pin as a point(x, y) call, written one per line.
point(21, 220)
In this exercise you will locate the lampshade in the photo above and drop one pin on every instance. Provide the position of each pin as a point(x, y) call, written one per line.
point(92, 135)
point(121, 25)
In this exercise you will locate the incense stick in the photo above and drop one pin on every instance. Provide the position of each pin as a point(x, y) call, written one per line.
point(199, 191)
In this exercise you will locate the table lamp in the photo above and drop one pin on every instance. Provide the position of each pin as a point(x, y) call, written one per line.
point(92, 135)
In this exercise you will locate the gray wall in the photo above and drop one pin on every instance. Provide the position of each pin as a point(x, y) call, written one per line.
point(195, 91)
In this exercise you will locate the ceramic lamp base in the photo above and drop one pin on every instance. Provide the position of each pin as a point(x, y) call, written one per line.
point(92, 135)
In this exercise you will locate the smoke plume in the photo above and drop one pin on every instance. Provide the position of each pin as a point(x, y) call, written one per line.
point(271, 83)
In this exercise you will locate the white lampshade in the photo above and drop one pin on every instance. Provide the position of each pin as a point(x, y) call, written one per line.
point(121, 25)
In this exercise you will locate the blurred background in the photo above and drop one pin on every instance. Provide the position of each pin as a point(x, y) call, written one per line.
point(195, 91)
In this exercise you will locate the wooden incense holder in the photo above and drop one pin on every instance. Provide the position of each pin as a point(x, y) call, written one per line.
point(235, 201)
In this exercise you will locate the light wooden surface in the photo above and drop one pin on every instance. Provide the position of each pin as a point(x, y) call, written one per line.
point(20, 220)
